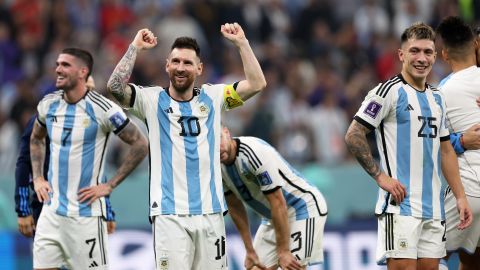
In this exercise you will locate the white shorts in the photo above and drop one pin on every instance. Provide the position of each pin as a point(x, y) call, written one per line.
point(407, 237)
point(70, 242)
point(468, 239)
point(189, 242)
point(306, 241)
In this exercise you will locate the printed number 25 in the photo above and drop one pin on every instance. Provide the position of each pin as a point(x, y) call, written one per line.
point(431, 131)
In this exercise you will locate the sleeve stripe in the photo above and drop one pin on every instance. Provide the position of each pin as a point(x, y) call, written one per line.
point(102, 99)
point(271, 190)
point(99, 104)
point(383, 90)
point(445, 138)
point(134, 95)
point(249, 158)
point(248, 148)
point(41, 123)
point(363, 122)
point(120, 128)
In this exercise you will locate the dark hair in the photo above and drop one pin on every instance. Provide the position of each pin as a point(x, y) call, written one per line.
point(186, 43)
point(455, 33)
point(418, 30)
point(477, 30)
point(83, 55)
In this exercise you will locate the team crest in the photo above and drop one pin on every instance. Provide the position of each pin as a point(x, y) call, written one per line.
point(85, 122)
point(402, 243)
point(204, 109)
point(163, 263)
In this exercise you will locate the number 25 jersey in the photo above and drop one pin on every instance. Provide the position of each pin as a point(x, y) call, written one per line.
point(409, 126)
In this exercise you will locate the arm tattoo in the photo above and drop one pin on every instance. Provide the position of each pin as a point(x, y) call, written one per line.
point(138, 150)
point(118, 80)
point(357, 144)
point(37, 150)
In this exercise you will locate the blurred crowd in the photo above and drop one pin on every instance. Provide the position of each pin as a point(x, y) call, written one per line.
point(320, 57)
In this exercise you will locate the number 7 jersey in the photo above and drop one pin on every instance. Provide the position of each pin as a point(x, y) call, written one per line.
point(184, 136)
point(409, 127)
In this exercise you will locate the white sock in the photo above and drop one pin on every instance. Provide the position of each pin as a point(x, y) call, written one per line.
point(443, 265)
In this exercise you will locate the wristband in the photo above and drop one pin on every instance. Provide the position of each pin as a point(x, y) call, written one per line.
point(462, 143)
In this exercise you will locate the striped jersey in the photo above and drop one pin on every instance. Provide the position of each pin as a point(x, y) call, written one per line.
point(184, 137)
point(461, 89)
point(78, 138)
point(259, 169)
point(409, 126)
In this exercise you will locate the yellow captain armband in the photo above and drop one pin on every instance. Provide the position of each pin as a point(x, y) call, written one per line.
point(231, 98)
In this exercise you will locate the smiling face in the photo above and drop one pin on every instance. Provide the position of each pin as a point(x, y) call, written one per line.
point(183, 66)
point(417, 57)
point(69, 71)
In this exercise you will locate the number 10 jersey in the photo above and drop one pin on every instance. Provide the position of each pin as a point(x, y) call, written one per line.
point(184, 136)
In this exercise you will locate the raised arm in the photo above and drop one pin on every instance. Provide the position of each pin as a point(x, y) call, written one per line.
point(138, 150)
point(356, 140)
point(255, 80)
point(240, 219)
point(37, 156)
point(452, 175)
point(117, 84)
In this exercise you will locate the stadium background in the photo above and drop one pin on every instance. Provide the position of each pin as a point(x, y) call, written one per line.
point(320, 58)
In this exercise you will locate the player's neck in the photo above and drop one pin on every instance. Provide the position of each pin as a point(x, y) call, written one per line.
point(181, 95)
point(74, 95)
point(463, 64)
point(417, 83)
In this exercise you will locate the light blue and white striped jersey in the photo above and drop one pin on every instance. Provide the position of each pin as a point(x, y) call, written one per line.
point(409, 126)
point(184, 136)
point(78, 137)
point(259, 169)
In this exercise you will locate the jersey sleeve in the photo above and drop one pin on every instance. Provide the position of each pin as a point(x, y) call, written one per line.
point(23, 172)
point(137, 101)
point(444, 131)
point(114, 119)
point(231, 99)
point(42, 109)
point(375, 107)
point(267, 174)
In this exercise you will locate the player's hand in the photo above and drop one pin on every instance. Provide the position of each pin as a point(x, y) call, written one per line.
point(393, 186)
point(26, 226)
point(471, 138)
point(252, 262)
point(144, 39)
point(478, 101)
point(465, 213)
point(111, 226)
point(42, 188)
point(234, 33)
point(94, 192)
point(287, 261)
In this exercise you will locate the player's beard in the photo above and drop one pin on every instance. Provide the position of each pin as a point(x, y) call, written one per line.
point(66, 84)
point(182, 87)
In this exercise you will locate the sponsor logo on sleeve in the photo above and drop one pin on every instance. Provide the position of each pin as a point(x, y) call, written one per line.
point(372, 109)
point(117, 119)
point(264, 179)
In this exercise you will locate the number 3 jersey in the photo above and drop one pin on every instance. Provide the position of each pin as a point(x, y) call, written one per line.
point(259, 169)
point(409, 127)
point(78, 138)
point(185, 177)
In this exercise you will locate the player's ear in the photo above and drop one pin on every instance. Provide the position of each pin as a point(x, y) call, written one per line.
point(445, 55)
point(400, 54)
point(200, 69)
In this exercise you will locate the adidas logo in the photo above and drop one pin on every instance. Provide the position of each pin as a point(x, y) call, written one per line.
point(93, 264)
point(154, 205)
point(409, 108)
point(169, 110)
